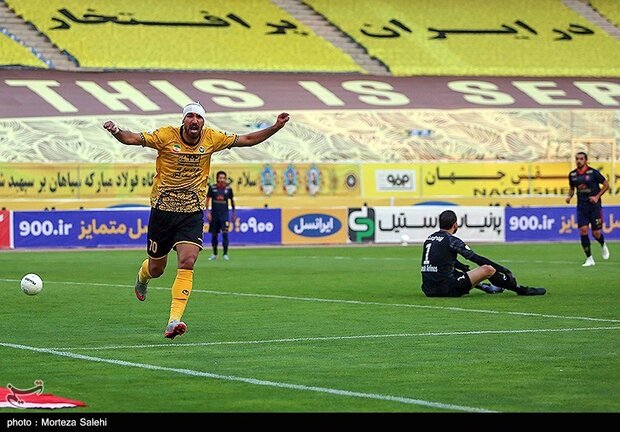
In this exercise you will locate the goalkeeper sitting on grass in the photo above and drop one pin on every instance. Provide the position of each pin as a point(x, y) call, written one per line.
point(444, 276)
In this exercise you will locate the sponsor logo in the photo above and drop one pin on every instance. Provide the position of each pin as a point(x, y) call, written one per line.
point(351, 181)
point(314, 225)
point(361, 224)
point(395, 180)
point(253, 225)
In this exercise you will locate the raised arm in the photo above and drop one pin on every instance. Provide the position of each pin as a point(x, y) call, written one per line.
point(253, 138)
point(123, 136)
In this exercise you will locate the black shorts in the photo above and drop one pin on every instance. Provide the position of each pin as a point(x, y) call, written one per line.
point(456, 286)
point(167, 229)
point(590, 215)
point(219, 225)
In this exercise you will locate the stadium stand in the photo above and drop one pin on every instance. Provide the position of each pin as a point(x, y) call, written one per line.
point(250, 35)
point(512, 37)
point(610, 9)
point(13, 53)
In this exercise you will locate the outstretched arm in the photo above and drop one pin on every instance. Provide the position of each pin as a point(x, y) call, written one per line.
point(123, 136)
point(462, 249)
point(253, 138)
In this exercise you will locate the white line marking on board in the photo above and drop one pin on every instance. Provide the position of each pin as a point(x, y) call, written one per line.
point(253, 381)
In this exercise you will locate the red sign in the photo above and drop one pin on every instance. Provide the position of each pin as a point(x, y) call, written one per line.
point(5, 229)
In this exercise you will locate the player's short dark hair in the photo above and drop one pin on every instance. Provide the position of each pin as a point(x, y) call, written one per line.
point(220, 172)
point(447, 219)
point(584, 154)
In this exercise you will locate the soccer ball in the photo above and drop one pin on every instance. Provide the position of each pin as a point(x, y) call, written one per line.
point(31, 284)
point(404, 239)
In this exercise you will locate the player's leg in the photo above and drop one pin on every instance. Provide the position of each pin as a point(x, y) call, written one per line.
point(509, 282)
point(479, 274)
point(225, 239)
point(214, 229)
point(189, 230)
point(583, 222)
point(159, 243)
point(596, 221)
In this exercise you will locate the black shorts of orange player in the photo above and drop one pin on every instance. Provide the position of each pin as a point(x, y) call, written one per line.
point(167, 229)
point(456, 286)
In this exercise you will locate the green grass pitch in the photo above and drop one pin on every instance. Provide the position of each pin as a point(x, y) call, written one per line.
point(316, 329)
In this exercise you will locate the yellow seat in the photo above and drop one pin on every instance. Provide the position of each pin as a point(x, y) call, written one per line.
point(12, 53)
point(476, 37)
point(252, 35)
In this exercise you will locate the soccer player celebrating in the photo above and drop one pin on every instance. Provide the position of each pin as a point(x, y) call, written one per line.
point(178, 197)
point(220, 193)
point(586, 180)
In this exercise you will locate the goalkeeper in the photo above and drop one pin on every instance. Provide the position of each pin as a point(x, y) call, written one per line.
point(444, 276)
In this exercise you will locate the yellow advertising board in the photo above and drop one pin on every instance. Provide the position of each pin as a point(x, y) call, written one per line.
point(312, 226)
point(80, 181)
point(503, 179)
point(291, 179)
point(38, 186)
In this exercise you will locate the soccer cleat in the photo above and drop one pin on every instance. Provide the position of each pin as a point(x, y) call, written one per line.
point(140, 289)
point(589, 262)
point(531, 291)
point(605, 251)
point(490, 288)
point(225, 257)
point(174, 329)
point(213, 257)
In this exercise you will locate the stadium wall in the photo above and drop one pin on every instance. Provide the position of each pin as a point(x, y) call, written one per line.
point(128, 228)
point(39, 186)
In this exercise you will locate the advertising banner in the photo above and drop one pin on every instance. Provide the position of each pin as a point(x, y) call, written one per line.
point(5, 229)
point(126, 228)
point(49, 181)
point(253, 226)
point(494, 179)
point(380, 180)
point(80, 228)
point(416, 223)
point(555, 224)
point(292, 179)
point(304, 226)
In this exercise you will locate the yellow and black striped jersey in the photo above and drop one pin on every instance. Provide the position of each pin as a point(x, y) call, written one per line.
point(182, 170)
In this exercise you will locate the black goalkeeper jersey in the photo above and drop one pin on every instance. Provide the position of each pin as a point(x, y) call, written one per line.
point(439, 257)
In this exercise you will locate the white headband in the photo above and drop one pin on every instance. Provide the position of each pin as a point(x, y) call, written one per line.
point(195, 108)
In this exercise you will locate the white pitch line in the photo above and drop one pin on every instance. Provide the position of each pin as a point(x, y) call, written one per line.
point(331, 338)
point(356, 302)
point(406, 305)
point(253, 381)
